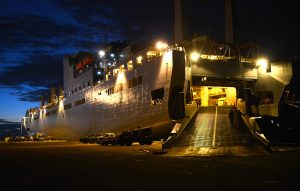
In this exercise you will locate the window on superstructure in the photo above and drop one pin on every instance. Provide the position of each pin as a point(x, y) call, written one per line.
point(157, 96)
point(54, 111)
point(79, 88)
point(88, 84)
point(80, 101)
point(75, 90)
point(68, 106)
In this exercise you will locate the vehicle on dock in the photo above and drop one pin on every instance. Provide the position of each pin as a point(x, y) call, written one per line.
point(89, 139)
point(28, 138)
point(141, 135)
point(108, 139)
point(38, 137)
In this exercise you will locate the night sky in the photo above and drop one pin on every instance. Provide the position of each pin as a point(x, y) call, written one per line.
point(35, 34)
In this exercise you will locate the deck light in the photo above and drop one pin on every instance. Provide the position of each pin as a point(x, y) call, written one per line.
point(161, 45)
point(194, 56)
point(101, 53)
point(139, 59)
point(264, 64)
point(261, 62)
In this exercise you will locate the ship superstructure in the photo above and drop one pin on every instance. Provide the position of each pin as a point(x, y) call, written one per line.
point(118, 90)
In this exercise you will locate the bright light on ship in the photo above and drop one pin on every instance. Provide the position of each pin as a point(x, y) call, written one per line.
point(139, 59)
point(161, 45)
point(112, 55)
point(262, 62)
point(194, 56)
point(264, 65)
point(61, 106)
point(121, 78)
point(101, 53)
point(151, 53)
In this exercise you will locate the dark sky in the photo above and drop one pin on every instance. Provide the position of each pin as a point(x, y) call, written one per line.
point(35, 34)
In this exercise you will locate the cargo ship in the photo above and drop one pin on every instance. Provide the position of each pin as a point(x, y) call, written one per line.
point(123, 87)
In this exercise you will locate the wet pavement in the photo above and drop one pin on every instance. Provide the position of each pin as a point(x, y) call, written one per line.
point(210, 133)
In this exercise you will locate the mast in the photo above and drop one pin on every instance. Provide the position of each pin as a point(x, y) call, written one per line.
point(178, 21)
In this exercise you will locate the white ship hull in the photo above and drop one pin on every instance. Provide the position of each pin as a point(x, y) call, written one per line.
point(124, 108)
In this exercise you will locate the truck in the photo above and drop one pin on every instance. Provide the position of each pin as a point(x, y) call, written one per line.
point(108, 139)
point(38, 137)
point(141, 135)
point(93, 138)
